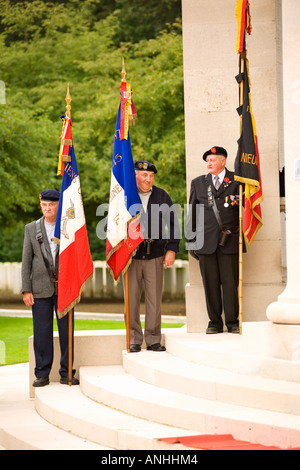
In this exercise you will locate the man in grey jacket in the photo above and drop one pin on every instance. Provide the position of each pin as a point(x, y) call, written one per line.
point(39, 288)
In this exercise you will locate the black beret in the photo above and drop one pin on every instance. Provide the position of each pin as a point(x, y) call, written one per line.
point(49, 195)
point(215, 151)
point(143, 165)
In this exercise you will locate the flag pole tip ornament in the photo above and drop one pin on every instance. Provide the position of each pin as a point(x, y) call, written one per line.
point(123, 71)
point(128, 109)
point(66, 136)
point(68, 100)
point(243, 23)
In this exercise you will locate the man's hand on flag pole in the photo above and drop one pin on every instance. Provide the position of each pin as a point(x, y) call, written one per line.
point(169, 259)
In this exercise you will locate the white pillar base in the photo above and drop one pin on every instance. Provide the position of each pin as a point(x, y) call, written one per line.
point(284, 312)
point(270, 341)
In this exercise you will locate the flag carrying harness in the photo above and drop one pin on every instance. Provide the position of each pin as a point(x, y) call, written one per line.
point(47, 261)
point(212, 202)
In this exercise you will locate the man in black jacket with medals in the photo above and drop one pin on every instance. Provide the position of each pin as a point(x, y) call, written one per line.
point(160, 228)
point(218, 254)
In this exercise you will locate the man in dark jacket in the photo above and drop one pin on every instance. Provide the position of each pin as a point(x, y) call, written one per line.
point(218, 253)
point(161, 232)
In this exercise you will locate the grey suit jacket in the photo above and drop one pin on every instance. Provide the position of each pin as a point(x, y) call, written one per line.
point(35, 277)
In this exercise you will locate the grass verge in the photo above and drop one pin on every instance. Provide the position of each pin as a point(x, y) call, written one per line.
point(14, 334)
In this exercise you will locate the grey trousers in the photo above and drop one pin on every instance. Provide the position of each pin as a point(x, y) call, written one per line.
point(151, 273)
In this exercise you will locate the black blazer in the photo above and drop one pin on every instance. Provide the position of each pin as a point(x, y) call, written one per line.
point(207, 227)
point(160, 225)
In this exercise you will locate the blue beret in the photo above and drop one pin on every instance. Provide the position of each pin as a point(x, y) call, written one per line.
point(215, 151)
point(143, 165)
point(49, 195)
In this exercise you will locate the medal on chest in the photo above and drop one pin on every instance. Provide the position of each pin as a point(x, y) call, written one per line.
point(210, 196)
point(226, 203)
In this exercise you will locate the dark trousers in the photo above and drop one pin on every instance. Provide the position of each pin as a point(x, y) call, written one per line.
point(220, 274)
point(42, 312)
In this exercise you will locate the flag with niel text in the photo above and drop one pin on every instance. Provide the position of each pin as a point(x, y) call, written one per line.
point(247, 162)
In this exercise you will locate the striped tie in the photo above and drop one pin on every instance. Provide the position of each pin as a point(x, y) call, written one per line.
point(217, 183)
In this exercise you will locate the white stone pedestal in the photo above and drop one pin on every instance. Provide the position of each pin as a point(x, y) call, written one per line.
point(269, 340)
point(287, 309)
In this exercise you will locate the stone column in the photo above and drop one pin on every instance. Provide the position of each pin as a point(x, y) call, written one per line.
point(287, 308)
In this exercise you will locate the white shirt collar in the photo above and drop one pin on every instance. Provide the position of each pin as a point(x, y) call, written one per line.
point(144, 197)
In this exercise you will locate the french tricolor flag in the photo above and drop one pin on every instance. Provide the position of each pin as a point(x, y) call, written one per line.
point(75, 261)
point(123, 227)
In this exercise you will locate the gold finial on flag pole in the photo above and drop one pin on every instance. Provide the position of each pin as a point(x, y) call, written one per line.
point(128, 110)
point(68, 101)
point(123, 71)
point(66, 136)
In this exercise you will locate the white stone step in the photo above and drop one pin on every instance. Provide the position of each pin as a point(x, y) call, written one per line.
point(225, 351)
point(21, 428)
point(178, 375)
point(72, 411)
point(31, 432)
point(114, 388)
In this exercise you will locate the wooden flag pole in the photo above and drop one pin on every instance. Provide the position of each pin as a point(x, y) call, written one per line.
point(241, 259)
point(127, 312)
point(242, 58)
point(70, 313)
point(70, 371)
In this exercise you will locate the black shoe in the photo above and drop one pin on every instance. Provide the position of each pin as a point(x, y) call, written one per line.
point(41, 382)
point(156, 347)
point(135, 348)
point(234, 329)
point(65, 381)
point(212, 330)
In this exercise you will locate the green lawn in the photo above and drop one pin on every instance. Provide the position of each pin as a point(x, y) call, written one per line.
point(14, 334)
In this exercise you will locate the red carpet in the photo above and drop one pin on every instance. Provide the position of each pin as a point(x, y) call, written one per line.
point(216, 442)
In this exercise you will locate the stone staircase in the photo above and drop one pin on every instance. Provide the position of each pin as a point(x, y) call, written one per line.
point(201, 385)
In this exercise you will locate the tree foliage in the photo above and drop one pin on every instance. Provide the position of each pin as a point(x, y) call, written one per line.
point(45, 46)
